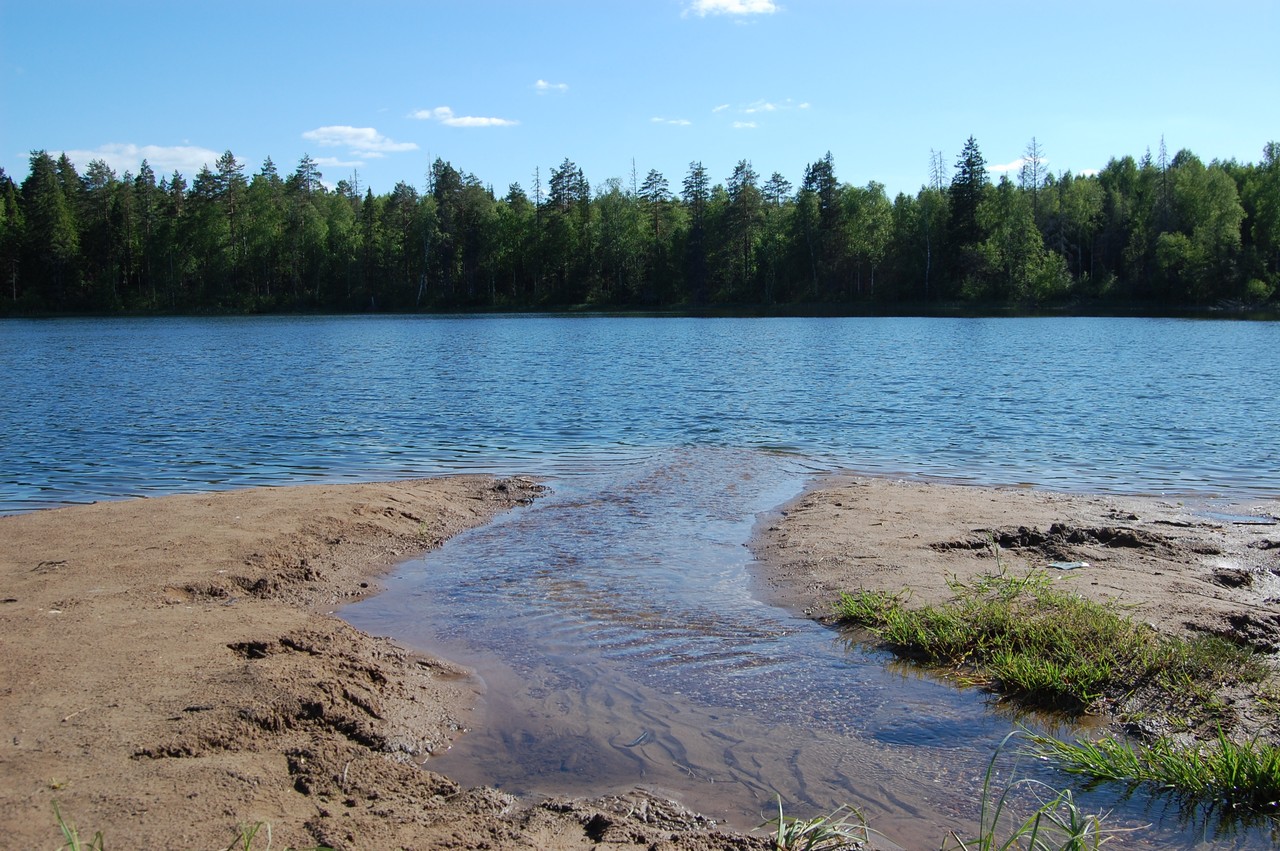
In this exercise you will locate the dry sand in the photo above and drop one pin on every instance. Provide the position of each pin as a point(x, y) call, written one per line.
point(170, 670)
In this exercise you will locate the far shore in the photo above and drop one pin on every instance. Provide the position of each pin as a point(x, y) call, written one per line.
point(172, 671)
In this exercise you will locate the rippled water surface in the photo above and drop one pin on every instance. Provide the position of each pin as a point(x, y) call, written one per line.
point(618, 643)
point(107, 408)
point(612, 624)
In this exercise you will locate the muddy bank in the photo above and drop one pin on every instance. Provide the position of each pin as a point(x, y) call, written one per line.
point(170, 672)
point(1181, 566)
point(170, 669)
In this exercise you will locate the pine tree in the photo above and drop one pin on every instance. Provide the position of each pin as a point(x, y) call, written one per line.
point(969, 186)
point(52, 244)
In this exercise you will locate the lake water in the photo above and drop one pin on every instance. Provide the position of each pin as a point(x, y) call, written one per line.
point(612, 623)
point(98, 409)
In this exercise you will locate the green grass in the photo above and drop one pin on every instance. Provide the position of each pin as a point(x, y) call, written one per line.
point(1241, 777)
point(1056, 822)
point(1045, 647)
point(843, 828)
point(71, 837)
point(246, 837)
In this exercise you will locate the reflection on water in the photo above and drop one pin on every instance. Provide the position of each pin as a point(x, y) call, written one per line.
point(109, 408)
point(611, 622)
point(618, 643)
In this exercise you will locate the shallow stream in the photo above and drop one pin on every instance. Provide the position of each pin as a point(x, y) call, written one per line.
point(617, 643)
point(612, 624)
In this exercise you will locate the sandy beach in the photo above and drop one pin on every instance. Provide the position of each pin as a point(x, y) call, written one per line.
point(1182, 566)
point(171, 669)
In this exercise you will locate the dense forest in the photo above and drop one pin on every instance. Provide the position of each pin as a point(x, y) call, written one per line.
point(1158, 233)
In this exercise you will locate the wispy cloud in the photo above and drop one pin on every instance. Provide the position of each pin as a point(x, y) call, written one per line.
point(702, 8)
point(360, 141)
point(334, 162)
point(758, 109)
point(163, 159)
point(1014, 166)
point(542, 87)
point(446, 116)
point(677, 122)
point(772, 106)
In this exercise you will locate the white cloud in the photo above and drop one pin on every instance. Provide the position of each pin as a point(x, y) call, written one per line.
point(702, 8)
point(361, 141)
point(1014, 166)
point(543, 87)
point(759, 107)
point(677, 122)
point(446, 116)
point(163, 159)
point(1006, 167)
point(1088, 172)
point(334, 162)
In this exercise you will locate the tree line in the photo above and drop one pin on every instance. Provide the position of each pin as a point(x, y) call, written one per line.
point(1161, 231)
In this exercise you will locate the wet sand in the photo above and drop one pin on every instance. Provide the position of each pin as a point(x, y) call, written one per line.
point(169, 672)
point(1183, 566)
point(170, 668)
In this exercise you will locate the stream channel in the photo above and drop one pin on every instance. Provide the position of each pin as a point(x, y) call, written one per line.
point(611, 625)
point(616, 642)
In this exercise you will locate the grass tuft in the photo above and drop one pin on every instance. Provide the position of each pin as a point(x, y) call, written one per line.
point(1049, 648)
point(843, 828)
point(1057, 824)
point(71, 836)
point(246, 836)
point(1238, 776)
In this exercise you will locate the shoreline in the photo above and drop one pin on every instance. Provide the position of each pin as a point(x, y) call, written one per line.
point(1179, 567)
point(849, 530)
point(172, 676)
point(172, 668)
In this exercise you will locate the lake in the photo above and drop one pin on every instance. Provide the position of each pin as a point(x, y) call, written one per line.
point(612, 623)
point(98, 409)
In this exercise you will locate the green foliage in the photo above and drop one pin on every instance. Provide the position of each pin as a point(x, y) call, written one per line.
point(1256, 291)
point(71, 837)
point(246, 838)
point(1043, 646)
point(1244, 777)
point(1056, 824)
point(1167, 231)
point(843, 828)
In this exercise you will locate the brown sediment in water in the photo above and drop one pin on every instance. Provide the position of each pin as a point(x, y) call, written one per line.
point(170, 669)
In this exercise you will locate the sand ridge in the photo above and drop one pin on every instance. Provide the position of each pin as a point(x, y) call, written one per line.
point(170, 668)
point(169, 671)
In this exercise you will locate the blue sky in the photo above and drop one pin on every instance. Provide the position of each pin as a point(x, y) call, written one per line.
point(501, 87)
